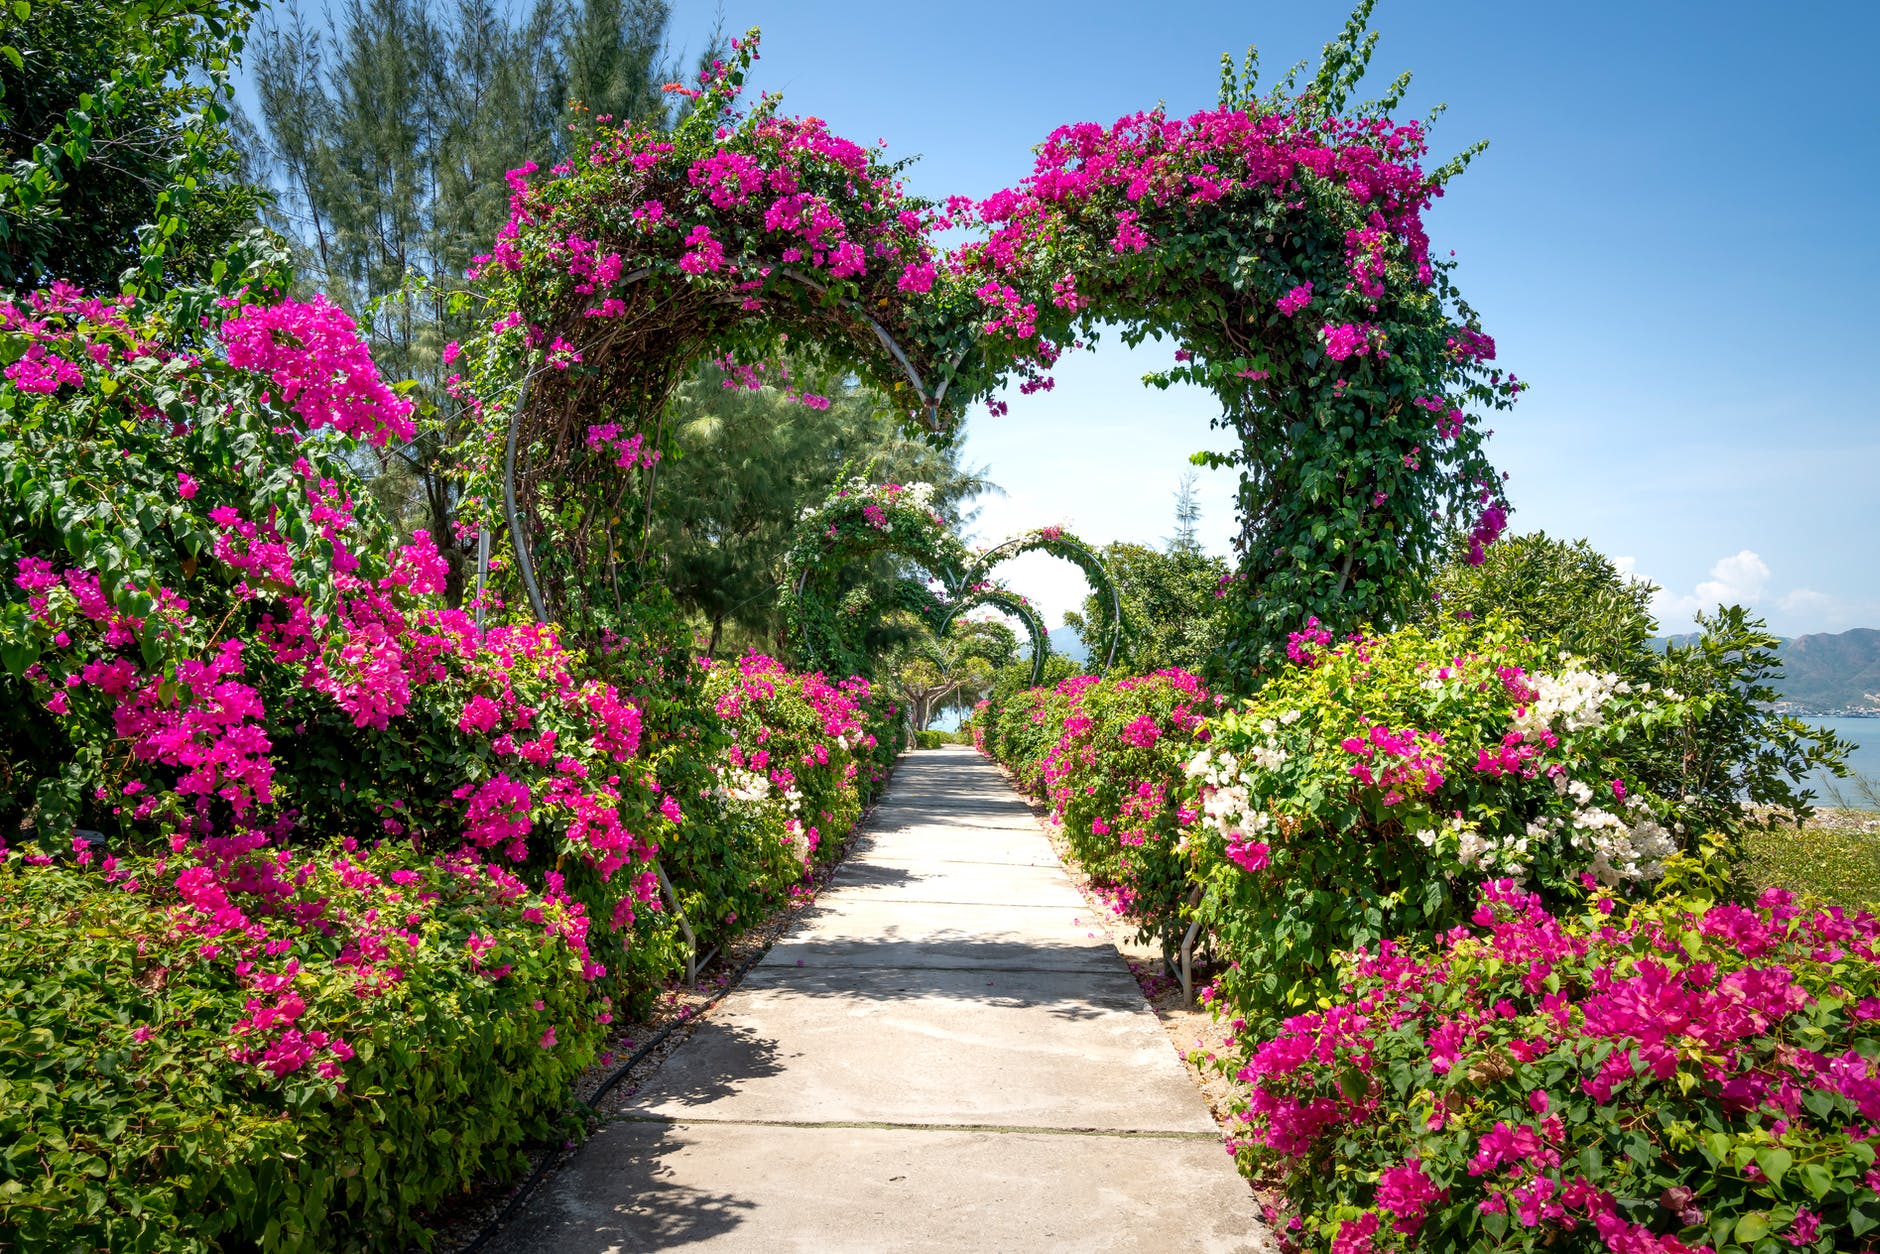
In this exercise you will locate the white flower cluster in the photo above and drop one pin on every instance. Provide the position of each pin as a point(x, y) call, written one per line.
point(737, 785)
point(1627, 846)
point(1229, 801)
point(920, 495)
point(1511, 854)
point(1573, 700)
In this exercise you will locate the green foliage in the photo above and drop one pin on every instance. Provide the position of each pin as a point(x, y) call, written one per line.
point(743, 468)
point(1835, 857)
point(111, 1142)
point(931, 672)
point(1380, 776)
point(1567, 592)
point(1172, 602)
point(1108, 625)
point(119, 169)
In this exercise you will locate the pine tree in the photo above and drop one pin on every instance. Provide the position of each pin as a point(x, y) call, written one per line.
point(385, 142)
point(1187, 516)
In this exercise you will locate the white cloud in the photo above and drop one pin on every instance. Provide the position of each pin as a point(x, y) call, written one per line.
point(1735, 580)
point(1808, 601)
point(1739, 579)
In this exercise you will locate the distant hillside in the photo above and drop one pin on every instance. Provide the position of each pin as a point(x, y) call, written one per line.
point(1827, 673)
point(1833, 672)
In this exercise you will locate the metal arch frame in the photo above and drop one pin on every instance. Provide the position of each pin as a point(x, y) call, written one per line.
point(1013, 604)
point(525, 562)
point(802, 583)
point(998, 554)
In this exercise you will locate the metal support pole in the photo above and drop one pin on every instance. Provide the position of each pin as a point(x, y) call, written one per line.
point(483, 569)
point(692, 961)
point(1188, 948)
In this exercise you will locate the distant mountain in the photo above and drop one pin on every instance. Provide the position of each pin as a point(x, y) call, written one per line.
point(1827, 673)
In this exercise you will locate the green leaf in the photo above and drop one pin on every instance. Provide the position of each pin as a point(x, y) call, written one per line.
point(1775, 1163)
point(1751, 1226)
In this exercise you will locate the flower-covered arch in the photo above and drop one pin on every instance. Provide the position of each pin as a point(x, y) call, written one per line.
point(1277, 239)
point(1060, 543)
point(738, 235)
point(860, 520)
point(1003, 599)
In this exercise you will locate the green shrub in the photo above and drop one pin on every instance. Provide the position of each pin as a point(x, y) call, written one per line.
point(157, 1093)
point(1370, 784)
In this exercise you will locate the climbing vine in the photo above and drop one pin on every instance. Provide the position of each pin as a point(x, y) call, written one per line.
point(1060, 543)
point(1000, 597)
point(860, 520)
point(1278, 240)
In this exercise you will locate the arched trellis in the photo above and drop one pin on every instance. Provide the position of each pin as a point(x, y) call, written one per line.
point(1061, 543)
point(860, 520)
point(1001, 598)
point(517, 473)
point(1278, 239)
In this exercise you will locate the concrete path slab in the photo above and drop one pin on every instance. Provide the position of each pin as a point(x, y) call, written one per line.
point(945, 1047)
point(642, 1187)
point(1016, 884)
point(939, 1056)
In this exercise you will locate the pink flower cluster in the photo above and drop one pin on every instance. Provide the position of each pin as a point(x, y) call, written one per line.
point(1744, 1018)
point(1401, 764)
point(313, 354)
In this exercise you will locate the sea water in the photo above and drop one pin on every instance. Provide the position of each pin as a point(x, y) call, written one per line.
point(1863, 759)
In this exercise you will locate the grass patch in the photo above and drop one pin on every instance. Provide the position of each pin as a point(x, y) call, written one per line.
point(1835, 857)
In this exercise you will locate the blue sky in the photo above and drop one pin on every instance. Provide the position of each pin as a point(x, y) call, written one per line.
point(1671, 237)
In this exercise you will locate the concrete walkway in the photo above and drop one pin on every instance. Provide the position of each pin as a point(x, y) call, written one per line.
point(940, 1056)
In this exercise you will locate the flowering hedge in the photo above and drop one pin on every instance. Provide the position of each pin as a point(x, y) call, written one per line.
point(166, 1083)
point(379, 875)
point(1107, 757)
point(214, 637)
point(793, 762)
point(1679, 1077)
point(1371, 781)
point(1669, 1073)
